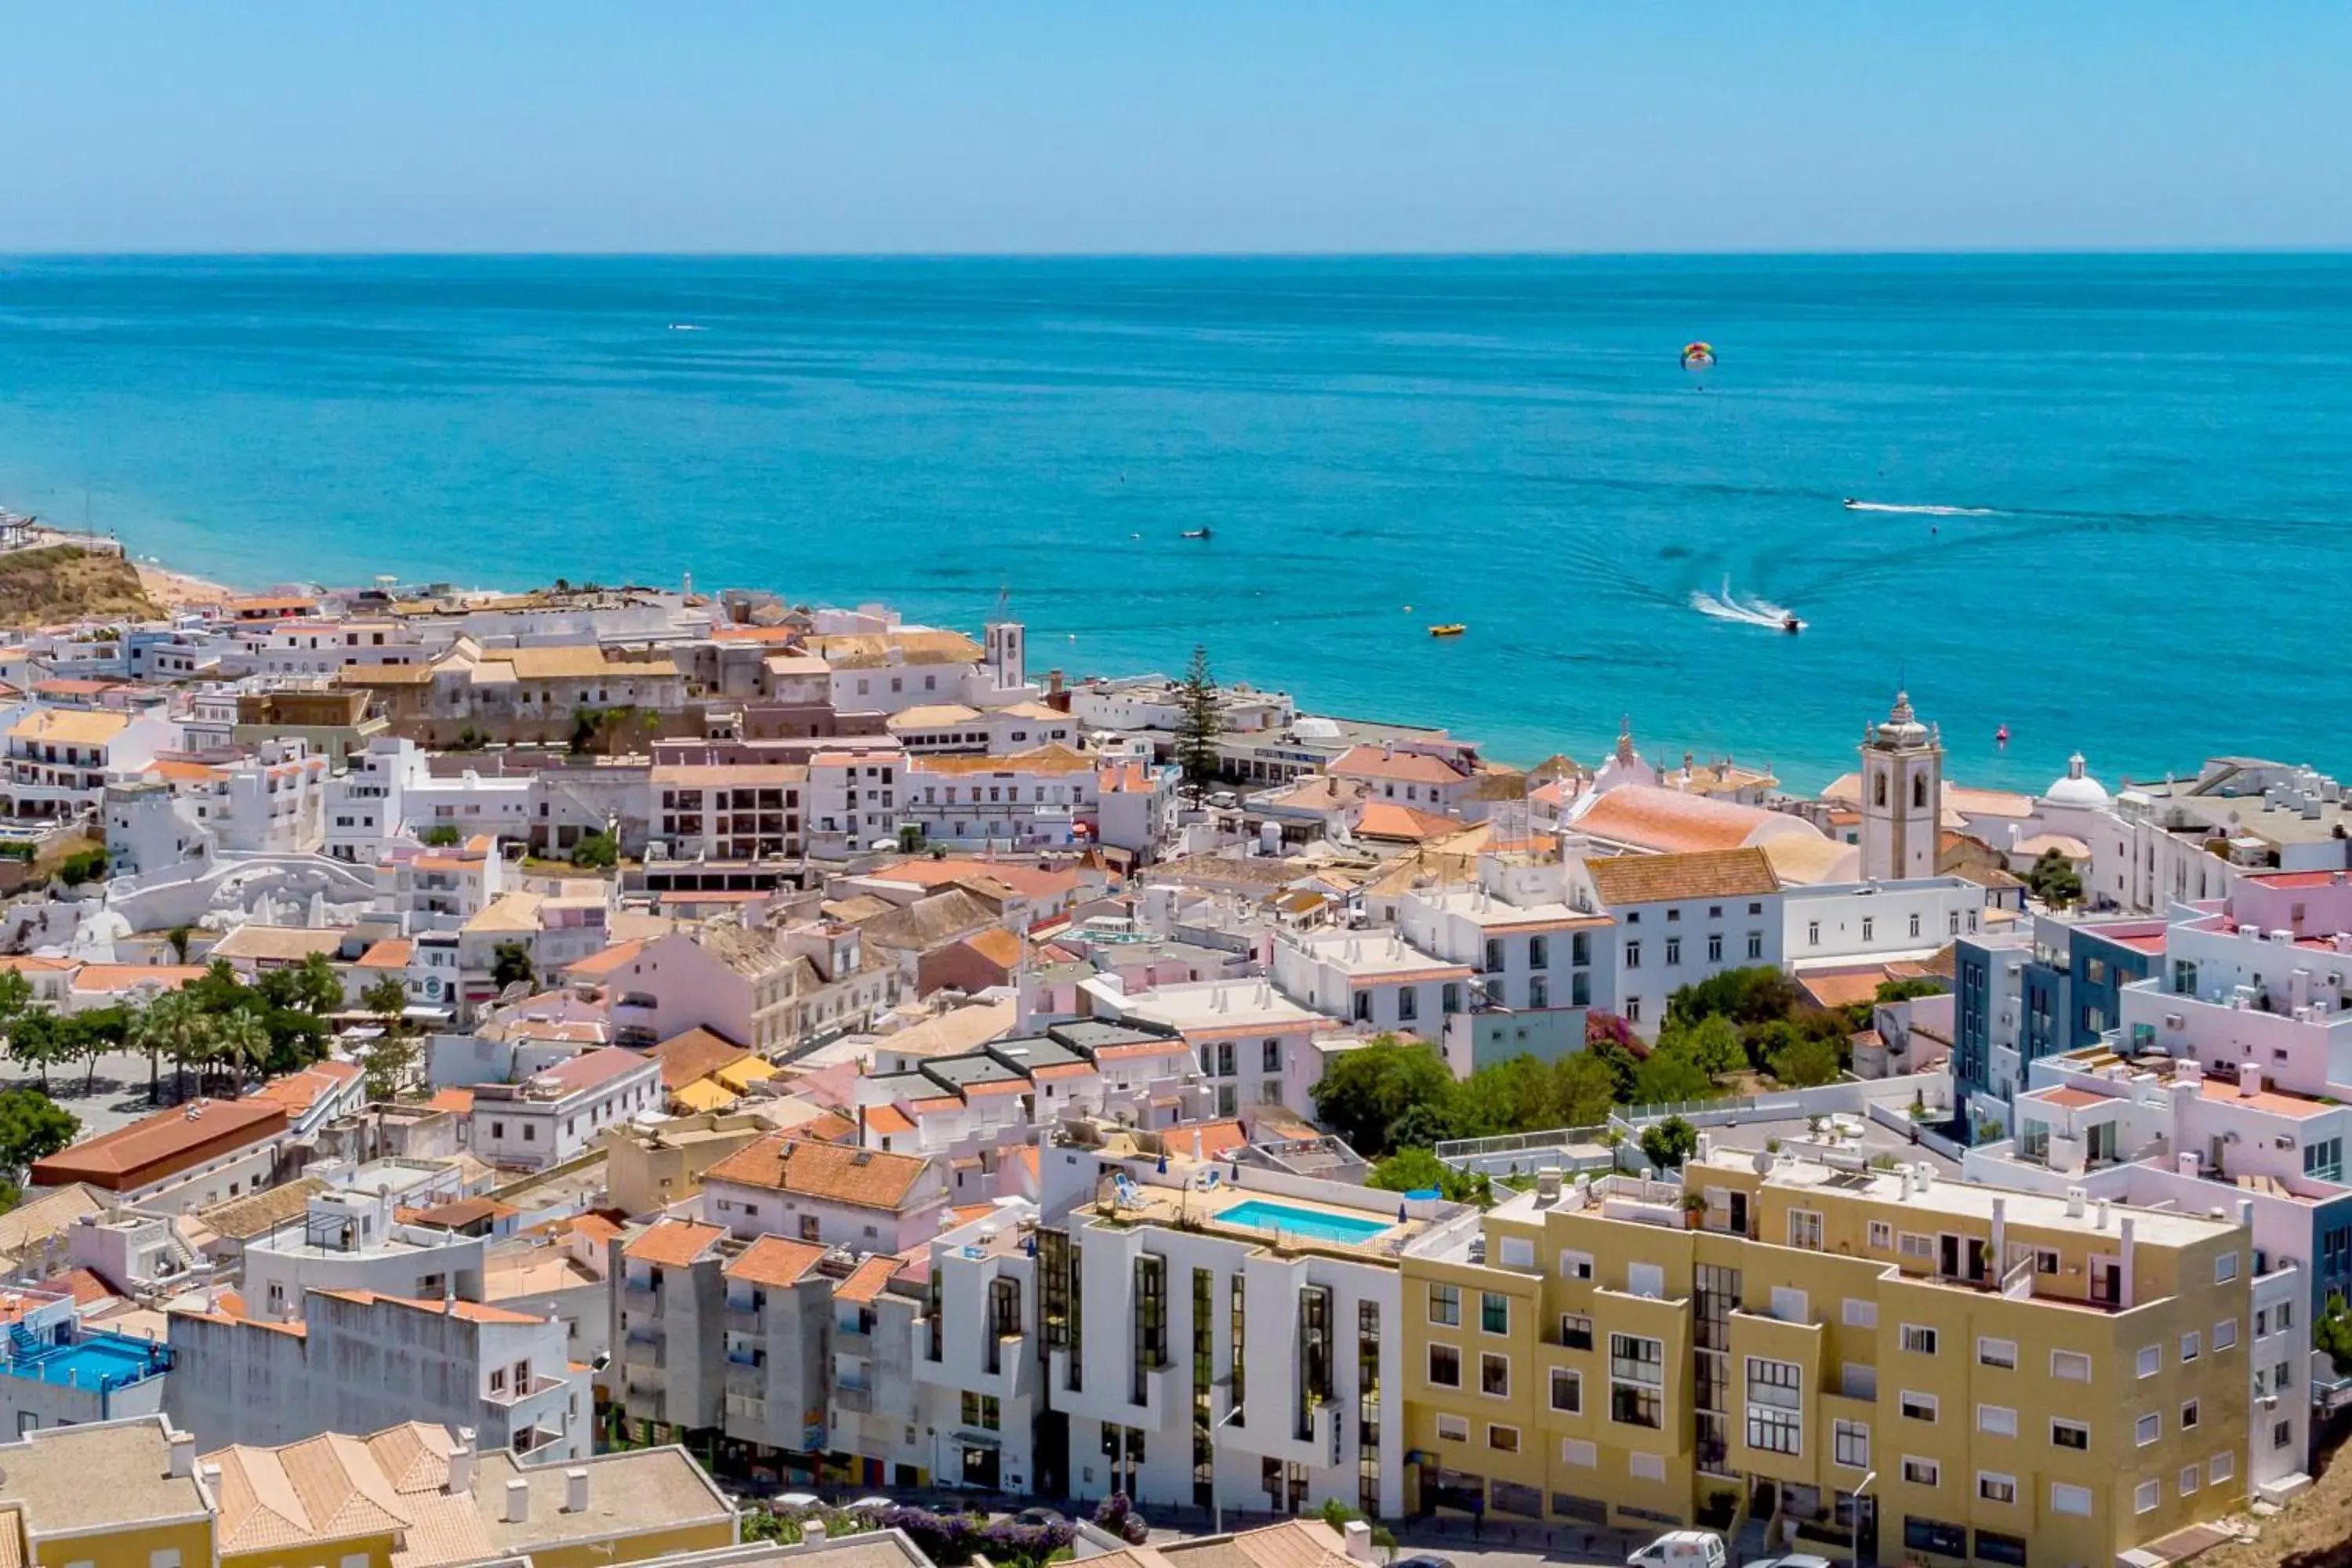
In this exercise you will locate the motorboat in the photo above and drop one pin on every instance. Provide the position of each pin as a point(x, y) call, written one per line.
point(1450, 629)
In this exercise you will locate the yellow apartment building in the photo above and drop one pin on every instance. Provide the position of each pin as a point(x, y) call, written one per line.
point(110, 1494)
point(1947, 1372)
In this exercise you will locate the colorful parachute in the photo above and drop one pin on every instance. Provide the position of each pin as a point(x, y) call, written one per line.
point(1698, 356)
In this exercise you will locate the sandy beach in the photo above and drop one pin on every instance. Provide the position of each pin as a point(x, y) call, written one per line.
point(178, 589)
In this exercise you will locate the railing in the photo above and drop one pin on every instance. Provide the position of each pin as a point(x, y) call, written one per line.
point(1453, 1149)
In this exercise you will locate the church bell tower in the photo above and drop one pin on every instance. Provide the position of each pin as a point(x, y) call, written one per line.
point(1902, 796)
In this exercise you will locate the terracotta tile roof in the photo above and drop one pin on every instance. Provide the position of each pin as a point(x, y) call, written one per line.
point(69, 727)
point(459, 1101)
point(1024, 879)
point(591, 1069)
point(162, 1145)
point(1399, 767)
point(85, 1286)
point(392, 953)
point(111, 979)
point(298, 1091)
point(1623, 879)
point(598, 964)
point(695, 1054)
point(257, 1214)
point(887, 1119)
point(1669, 820)
point(997, 945)
point(775, 1260)
point(2068, 1098)
point(673, 1243)
point(788, 1162)
point(1844, 986)
point(1060, 1070)
point(831, 1127)
point(1053, 758)
point(1386, 819)
point(472, 1311)
point(865, 1281)
point(282, 944)
point(1217, 1137)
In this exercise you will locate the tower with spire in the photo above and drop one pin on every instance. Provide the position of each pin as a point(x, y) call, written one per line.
point(1901, 794)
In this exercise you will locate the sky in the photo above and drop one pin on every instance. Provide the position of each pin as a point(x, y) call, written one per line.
point(1262, 125)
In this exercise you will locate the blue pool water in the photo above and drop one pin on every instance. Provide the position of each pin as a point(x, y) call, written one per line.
point(1314, 1224)
point(92, 1363)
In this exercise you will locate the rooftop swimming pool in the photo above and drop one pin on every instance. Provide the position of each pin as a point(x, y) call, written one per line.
point(1313, 1225)
point(100, 1361)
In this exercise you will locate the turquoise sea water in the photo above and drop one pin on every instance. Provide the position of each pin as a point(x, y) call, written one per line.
point(2155, 454)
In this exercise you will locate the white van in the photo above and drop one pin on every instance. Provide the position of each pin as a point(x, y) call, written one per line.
point(1681, 1549)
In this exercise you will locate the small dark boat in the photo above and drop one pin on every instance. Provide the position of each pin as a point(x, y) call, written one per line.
point(1196, 533)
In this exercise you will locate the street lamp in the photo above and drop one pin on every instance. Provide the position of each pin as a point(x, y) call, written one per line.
point(1216, 1499)
point(1868, 1479)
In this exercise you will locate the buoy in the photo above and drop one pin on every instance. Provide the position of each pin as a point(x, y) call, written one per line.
point(2000, 736)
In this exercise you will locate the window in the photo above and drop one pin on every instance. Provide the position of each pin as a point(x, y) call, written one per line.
point(1539, 953)
point(1776, 1397)
point(1918, 1407)
point(1868, 928)
point(2069, 1366)
point(1849, 1445)
point(1881, 1235)
point(1636, 1374)
point(1493, 1312)
point(1453, 1429)
point(2188, 1415)
point(1791, 1305)
point(169, 1557)
point(2150, 1360)
point(1576, 1331)
point(2225, 1268)
point(1503, 1439)
point(2225, 1334)
point(1995, 1487)
point(1859, 1313)
point(2001, 1353)
point(1914, 1245)
point(1933, 1536)
point(1273, 1060)
point(2281, 1434)
point(1918, 1340)
point(1646, 1279)
point(1920, 1472)
point(1445, 1366)
point(1673, 950)
point(1567, 1391)
point(2064, 1434)
point(1633, 955)
point(2066, 1499)
point(1494, 1375)
point(1445, 1305)
point(2146, 1495)
point(1715, 947)
point(1915, 924)
point(2189, 1346)
point(2147, 1429)
point(1997, 1420)
point(2220, 1467)
point(1576, 1266)
point(1805, 1229)
point(1576, 1452)
point(1755, 944)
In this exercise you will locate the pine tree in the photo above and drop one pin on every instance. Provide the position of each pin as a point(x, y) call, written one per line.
point(1196, 735)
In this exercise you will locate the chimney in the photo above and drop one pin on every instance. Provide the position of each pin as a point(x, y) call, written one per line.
point(575, 1489)
point(461, 1464)
point(211, 1475)
point(1196, 1144)
point(2000, 1232)
point(183, 1456)
point(518, 1502)
point(2250, 1081)
point(2075, 1197)
point(2099, 1215)
point(1358, 1537)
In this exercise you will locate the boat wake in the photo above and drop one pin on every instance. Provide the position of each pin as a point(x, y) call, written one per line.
point(1919, 510)
point(1728, 606)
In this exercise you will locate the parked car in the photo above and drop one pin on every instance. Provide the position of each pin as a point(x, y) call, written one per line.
point(1682, 1549)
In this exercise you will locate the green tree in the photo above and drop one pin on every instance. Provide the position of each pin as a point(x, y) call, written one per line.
point(1366, 1089)
point(1515, 1096)
point(178, 937)
point(1905, 990)
point(91, 1035)
point(1584, 1088)
point(2333, 1332)
point(391, 1059)
point(1419, 1170)
point(1672, 1073)
point(2053, 880)
point(1805, 1062)
point(82, 866)
point(509, 962)
point(239, 1043)
point(1714, 1041)
point(317, 987)
point(1754, 994)
point(1666, 1144)
point(172, 1027)
point(37, 1040)
point(32, 1127)
point(1425, 1125)
point(16, 999)
point(1198, 721)
point(440, 835)
point(596, 852)
point(219, 989)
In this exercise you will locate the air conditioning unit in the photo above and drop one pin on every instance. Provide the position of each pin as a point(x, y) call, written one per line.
point(2172, 1021)
point(2282, 1143)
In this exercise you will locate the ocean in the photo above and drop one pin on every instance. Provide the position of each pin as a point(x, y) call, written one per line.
point(2130, 473)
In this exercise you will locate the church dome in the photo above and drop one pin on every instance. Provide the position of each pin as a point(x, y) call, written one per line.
point(2076, 789)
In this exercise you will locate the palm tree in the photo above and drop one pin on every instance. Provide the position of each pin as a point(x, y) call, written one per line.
point(238, 1043)
point(174, 1025)
point(318, 987)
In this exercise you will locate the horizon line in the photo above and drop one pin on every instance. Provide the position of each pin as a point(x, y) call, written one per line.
point(2315, 251)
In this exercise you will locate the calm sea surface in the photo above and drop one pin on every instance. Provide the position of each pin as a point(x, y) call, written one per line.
point(2148, 463)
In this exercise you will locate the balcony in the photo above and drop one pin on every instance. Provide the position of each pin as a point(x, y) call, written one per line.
point(747, 1408)
point(521, 1389)
point(742, 1321)
point(743, 1377)
point(852, 1401)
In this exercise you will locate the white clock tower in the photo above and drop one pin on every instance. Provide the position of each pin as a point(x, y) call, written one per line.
point(1902, 796)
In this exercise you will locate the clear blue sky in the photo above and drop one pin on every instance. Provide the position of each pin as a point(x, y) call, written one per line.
point(1263, 125)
